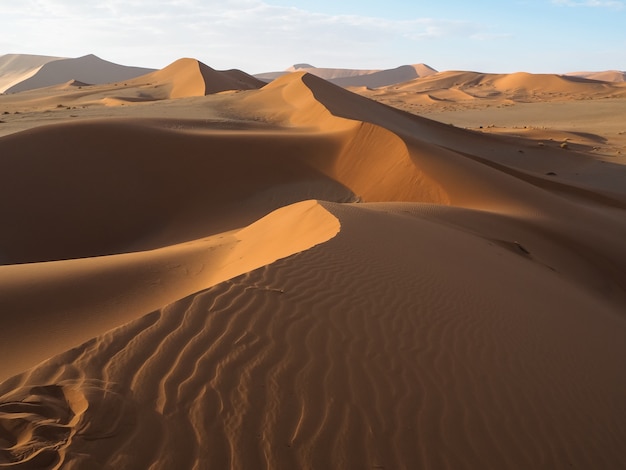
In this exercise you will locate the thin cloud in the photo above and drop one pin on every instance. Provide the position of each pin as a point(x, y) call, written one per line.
point(590, 3)
point(491, 36)
point(217, 31)
point(227, 12)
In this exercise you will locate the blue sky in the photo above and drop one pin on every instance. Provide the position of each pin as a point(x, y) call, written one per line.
point(264, 35)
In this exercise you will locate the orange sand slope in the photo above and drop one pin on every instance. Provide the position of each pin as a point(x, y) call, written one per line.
point(444, 303)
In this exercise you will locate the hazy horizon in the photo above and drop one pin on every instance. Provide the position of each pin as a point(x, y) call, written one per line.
point(540, 36)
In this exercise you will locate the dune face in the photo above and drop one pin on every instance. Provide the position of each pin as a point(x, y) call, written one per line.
point(300, 277)
point(88, 69)
point(15, 68)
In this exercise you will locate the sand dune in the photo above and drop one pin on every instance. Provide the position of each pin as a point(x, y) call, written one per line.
point(531, 110)
point(308, 279)
point(15, 68)
point(387, 77)
point(88, 69)
point(606, 76)
point(327, 73)
point(323, 72)
point(100, 293)
point(335, 358)
point(189, 77)
point(182, 79)
point(357, 77)
point(471, 89)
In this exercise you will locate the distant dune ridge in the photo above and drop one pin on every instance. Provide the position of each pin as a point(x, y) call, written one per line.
point(15, 68)
point(521, 83)
point(296, 276)
point(183, 78)
point(464, 86)
point(357, 78)
point(607, 76)
point(88, 69)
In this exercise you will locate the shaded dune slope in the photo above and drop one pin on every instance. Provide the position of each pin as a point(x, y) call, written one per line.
point(15, 68)
point(436, 324)
point(145, 185)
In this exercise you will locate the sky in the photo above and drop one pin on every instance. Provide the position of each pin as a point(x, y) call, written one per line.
point(540, 36)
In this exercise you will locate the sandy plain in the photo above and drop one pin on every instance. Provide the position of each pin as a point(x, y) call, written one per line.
point(293, 275)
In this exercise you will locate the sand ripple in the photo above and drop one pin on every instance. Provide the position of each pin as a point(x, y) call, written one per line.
point(335, 358)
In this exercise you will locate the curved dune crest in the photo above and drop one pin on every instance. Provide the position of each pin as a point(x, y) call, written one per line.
point(82, 298)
